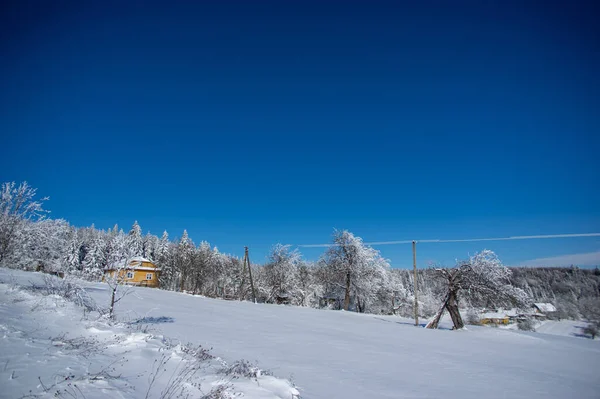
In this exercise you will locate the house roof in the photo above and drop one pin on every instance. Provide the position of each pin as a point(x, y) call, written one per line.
point(545, 307)
point(500, 314)
point(139, 259)
point(135, 263)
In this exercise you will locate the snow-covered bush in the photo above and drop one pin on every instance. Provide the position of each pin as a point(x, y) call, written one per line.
point(244, 368)
point(526, 325)
point(473, 317)
point(67, 289)
point(591, 330)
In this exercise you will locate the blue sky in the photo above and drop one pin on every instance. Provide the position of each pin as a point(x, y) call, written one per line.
point(252, 123)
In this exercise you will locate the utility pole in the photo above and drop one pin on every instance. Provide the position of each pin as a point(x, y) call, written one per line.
point(247, 262)
point(414, 250)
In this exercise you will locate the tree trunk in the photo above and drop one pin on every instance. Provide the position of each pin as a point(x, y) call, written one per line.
point(436, 320)
point(111, 310)
point(347, 296)
point(452, 306)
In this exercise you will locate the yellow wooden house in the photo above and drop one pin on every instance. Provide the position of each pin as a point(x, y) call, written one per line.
point(139, 271)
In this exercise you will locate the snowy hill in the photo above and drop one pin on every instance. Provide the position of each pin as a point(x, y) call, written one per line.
point(334, 354)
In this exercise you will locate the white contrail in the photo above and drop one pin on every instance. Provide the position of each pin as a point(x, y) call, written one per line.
point(466, 239)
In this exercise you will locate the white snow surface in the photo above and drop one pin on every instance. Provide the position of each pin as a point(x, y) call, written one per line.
point(328, 354)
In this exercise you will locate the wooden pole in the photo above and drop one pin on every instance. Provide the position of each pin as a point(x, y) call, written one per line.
point(247, 257)
point(241, 293)
point(414, 250)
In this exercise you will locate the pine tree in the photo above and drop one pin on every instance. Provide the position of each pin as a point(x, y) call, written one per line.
point(164, 260)
point(135, 242)
point(183, 259)
point(71, 258)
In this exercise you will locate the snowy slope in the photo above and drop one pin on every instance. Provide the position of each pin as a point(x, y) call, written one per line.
point(566, 328)
point(333, 354)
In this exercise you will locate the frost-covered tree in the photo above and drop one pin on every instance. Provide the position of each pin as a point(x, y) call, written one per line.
point(135, 242)
point(95, 259)
point(202, 259)
point(117, 250)
point(280, 273)
point(354, 267)
point(165, 260)
point(308, 288)
point(184, 255)
point(150, 247)
point(49, 240)
point(71, 259)
point(17, 206)
point(482, 275)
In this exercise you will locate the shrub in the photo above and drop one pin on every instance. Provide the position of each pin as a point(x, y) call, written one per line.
point(473, 318)
point(591, 329)
point(526, 325)
point(67, 289)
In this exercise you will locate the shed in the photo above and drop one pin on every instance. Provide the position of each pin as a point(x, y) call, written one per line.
point(542, 307)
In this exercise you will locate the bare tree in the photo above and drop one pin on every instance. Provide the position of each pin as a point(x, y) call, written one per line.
point(116, 280)
point(484, 275)
point(17, 205)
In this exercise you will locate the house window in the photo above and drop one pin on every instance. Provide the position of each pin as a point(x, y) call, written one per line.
point(148, 276)
point(129, 275)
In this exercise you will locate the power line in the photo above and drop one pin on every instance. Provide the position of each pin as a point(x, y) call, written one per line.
point(544, 236)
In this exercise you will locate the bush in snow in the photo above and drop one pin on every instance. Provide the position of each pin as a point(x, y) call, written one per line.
point(67, 289)
point(473, 318)
point(243, 368)
point(526, 325)
point(591, 330)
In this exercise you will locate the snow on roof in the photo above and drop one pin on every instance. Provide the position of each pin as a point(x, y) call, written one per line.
point(545, 307)
point(500, 314)
point(139, 259)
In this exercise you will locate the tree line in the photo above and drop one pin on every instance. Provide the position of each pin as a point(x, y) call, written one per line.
point(349, 275)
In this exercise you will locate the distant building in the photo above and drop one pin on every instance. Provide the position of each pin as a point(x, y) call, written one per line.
point(544, 308)
point(139, 271)
point(497, 317)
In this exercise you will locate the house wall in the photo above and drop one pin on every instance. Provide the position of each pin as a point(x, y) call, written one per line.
point(138, 277)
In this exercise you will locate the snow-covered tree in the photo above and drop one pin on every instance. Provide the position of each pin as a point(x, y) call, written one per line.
point(308, 288)
point(151, 243)
point(135, 242)
point(117, 252)
point(184, 254)
point(280, 273)
point(17, 205)
point(201, 263)
point(71, 258)
point(95, 259)
point(482, 275)
point(49, 240)
point(354, 267)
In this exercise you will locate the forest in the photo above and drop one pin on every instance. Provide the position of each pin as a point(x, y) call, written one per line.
point(349, 275)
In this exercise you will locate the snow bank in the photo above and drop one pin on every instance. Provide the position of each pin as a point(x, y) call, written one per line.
point(333, 354)
point(48, 348)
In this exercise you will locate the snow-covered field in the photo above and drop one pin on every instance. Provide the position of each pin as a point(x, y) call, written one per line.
point(328, 354)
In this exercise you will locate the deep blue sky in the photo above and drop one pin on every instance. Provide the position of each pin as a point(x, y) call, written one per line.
point(251, 123)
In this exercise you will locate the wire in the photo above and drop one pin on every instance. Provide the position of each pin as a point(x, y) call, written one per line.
point(544, 236)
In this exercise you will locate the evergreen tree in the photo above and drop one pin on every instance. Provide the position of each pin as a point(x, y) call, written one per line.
point(135, 242)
